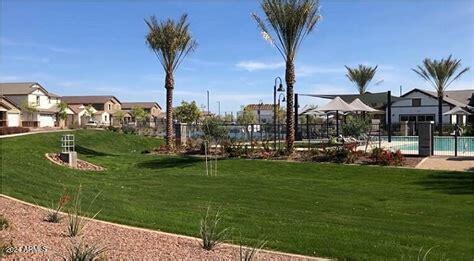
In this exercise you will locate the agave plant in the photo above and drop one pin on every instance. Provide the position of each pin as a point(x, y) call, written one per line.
point(440, 74)
point(361, 76)
point(171, 41)
point(287, 23)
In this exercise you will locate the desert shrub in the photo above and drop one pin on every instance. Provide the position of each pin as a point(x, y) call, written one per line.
point(193, 144)
point(210, 232)
point(76, 217)
point(468, 130)
point(13, 130)
point(385, 157)
point(78, 251)
point(250, 253)
point(53, 214)
point(113, 128)
point(127, 129)
point(3, 223)
point(5, 247)
point(339, 154)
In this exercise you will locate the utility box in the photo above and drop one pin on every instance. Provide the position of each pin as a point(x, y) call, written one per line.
point(68, 153)
point(425, 138)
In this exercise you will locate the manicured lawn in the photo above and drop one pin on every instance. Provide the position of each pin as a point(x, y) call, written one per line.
point(352, 212)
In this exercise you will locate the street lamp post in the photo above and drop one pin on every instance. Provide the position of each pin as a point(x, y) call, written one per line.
point(278, 117)
point(275, 90)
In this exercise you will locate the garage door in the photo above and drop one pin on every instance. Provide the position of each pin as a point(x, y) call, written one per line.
point(46, 120)
point(13, 119)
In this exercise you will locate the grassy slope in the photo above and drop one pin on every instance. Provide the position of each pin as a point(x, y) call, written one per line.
point(314, 209)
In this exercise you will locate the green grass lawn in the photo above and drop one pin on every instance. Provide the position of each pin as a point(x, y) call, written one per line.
point(349, 212)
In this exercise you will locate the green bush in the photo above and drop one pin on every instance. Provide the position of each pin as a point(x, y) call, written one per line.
point(129, 129)
point(79, 251)
point(356, 126)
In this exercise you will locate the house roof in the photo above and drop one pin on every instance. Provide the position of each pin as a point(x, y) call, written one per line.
point(456, 98)
point(76, 108)
point(88, 99)
point(145, 105)
point(10, 102)
point(21, 88)
point(262, 107)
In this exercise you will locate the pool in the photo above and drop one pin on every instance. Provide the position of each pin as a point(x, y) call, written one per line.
point(442, 145)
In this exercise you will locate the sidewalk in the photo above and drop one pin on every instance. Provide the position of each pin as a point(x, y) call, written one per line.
point(447, 163)
point(33, 132)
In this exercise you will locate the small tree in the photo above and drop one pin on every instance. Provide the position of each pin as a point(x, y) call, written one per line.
point(246, 117)
point(187, 112)
point(139, 114)
point(30, 109)
point(119, 115)
point(214, 133)
point(62, 113)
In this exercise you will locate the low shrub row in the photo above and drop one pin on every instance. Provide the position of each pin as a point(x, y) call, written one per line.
point(13, 130)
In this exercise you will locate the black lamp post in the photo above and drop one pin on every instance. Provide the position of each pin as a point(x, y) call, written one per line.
point(278, 117)
point(275, 90)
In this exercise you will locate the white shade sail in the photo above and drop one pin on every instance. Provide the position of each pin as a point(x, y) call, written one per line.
point(358, 105)
point(337, 104)
point(456, 111)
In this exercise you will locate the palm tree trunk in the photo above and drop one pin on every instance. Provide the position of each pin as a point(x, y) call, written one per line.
point(290, 119)
point(169, 85)
point(440, 114)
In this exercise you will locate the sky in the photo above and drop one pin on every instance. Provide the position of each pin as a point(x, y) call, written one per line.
point(98, 47)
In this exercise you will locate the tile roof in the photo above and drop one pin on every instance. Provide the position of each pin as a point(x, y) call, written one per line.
point(88, 99)
point(145, 105)
point(23, 88)
point(262, 107)
point(459, 98)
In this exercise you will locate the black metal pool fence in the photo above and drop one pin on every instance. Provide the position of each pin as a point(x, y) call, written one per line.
point(455, 141)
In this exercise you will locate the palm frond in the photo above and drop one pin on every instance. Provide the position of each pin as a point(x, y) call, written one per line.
point(170, 40)
point(361, 76)
point(288, 22)
point(440, 73)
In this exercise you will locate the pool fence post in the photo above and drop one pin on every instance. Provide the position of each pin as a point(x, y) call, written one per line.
point(455, 143)
point(251, 136)
point(307, 132)
point(425, 139)
point(380, 136)
point(389, 115)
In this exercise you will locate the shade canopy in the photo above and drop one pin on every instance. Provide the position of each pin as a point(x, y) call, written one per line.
point(337, 104)
point(456, 111)
point(358, 105)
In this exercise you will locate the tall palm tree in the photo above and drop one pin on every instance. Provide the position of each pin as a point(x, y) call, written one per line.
point(440, 74)
point(361, 76)
point(287, 23)
point(171, 41)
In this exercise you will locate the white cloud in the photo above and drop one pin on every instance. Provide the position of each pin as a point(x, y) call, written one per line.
point(52, 48)
point(308, 70)
point(256, 66)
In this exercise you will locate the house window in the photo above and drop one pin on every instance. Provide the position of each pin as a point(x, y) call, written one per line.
point(105, 117)
point(416, 102)
point(37, 100)
point(110, 107)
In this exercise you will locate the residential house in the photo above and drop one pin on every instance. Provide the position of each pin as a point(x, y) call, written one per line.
point(79, 115)
point(263, 112)
point(10, 114)
point(105, 107)
point(38, 106)
point(153, 109)
point(420, 105)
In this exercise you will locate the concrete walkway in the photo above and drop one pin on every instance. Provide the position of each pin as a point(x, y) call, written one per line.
point(447, 163)
point(33, 132)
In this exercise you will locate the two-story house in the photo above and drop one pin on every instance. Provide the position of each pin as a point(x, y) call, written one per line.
point(105, 107)
point(38, 107)
point(263, 112)
point(153, 109)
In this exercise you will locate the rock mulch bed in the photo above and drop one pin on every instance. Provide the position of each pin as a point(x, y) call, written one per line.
point(81, 164)
point(28, 228)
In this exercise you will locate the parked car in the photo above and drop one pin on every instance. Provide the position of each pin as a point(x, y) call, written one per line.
point(92, 123)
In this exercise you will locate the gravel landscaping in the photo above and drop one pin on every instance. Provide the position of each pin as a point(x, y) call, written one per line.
point(28, 228)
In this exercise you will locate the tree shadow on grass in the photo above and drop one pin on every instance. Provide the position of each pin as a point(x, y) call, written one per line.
point(169, 162)
point(450, 182)
point(90, 152)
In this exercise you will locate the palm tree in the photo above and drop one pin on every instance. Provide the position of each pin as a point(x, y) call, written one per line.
point(440, 74)
point(171, 41)
point(62, 113)
point(289, 22)
point(361, 76)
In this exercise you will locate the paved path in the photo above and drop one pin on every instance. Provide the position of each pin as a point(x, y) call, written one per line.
point(447, 163)
point(33, 132)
